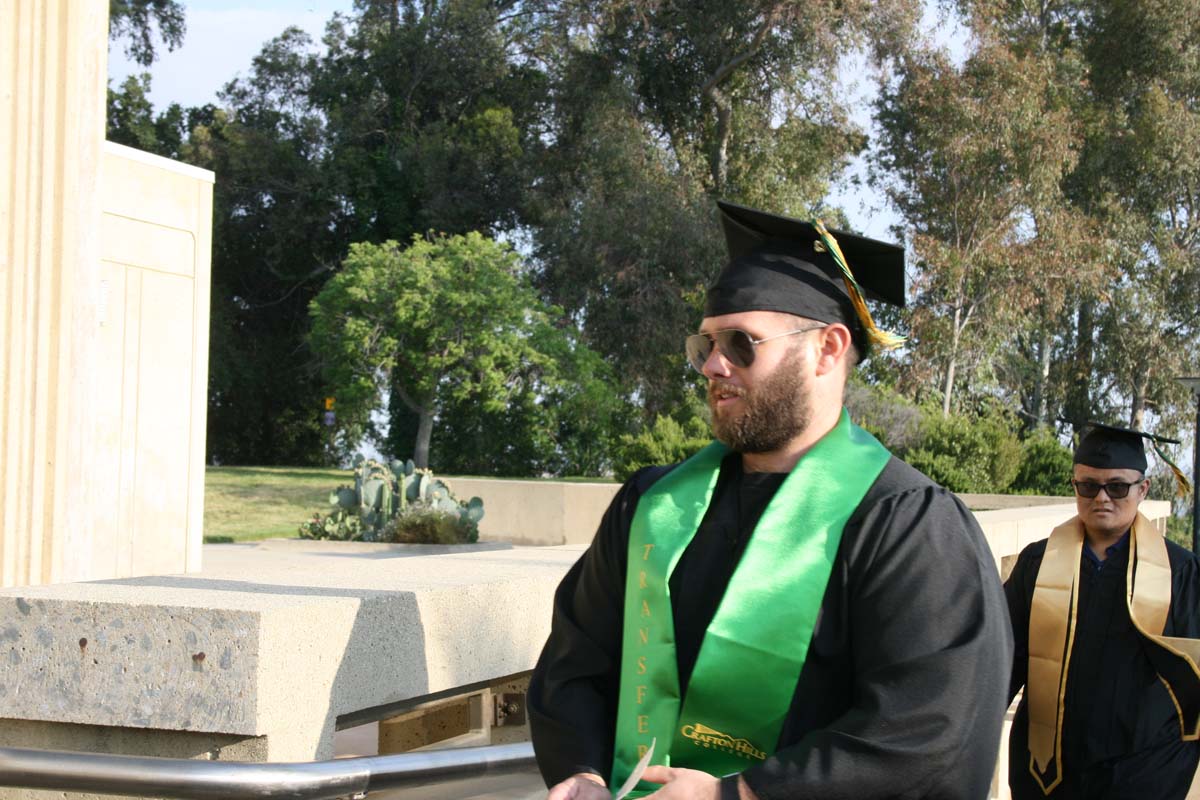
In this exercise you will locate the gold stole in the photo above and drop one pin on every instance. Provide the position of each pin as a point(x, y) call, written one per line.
point(1052, 618)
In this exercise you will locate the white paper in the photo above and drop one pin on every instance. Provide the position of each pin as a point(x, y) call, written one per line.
point(636, 776)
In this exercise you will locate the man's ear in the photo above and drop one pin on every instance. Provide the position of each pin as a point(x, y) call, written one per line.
point(833, 345)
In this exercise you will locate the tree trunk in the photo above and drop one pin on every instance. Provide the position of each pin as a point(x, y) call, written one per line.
point(1079, 394)
point(1137, 410)
point(951, 364)
point(719, 160)
point(424, 434)
point(1042, 380)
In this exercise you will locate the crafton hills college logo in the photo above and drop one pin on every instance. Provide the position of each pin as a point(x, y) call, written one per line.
point(704, 736)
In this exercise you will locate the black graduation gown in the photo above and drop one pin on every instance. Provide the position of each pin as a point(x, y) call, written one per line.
point(903, 691)
point(1120, 729)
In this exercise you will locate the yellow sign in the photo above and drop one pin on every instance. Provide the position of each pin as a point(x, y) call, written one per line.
point(329, 404)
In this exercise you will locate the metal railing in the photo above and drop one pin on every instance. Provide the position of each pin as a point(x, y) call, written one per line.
point(187, 779)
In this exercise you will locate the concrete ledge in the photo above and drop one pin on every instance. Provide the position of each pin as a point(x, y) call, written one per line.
point(273, 641)
point(537, 512)
point(560, 512)
point(1010, 530)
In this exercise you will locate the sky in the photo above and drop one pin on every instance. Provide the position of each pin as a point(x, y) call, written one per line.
point(223, 36)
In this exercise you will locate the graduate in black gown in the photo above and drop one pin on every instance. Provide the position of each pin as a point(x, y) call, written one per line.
point(1117, 731)
point(901, 690)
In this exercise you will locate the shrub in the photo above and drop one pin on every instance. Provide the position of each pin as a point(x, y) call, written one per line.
point(423, 525)
point(1179, 530)
point(967, 455)
point(667, 442)
point(883, 413)
point(1045, 466)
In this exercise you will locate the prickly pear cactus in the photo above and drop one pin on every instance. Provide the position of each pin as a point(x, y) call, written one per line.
point(396, 501)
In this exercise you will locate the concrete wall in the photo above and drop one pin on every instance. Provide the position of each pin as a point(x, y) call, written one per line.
point(151, 408)
point(104, 259)
point(537, 512)
point(558, 512)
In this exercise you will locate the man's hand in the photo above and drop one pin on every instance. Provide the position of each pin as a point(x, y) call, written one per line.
point(682, 784)
point(691, 783)
point(583, 786)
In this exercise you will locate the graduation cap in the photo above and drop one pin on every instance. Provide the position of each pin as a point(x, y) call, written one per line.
point(777, 263)
point(1109, 447)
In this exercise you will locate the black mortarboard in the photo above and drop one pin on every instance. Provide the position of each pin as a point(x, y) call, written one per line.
point(782, 264)
point(1108, 447)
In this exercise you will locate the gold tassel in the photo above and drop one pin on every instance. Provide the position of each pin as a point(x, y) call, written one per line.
point(1184, 486)
point(875, 335)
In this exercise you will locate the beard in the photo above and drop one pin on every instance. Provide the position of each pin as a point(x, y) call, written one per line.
point(773, 413)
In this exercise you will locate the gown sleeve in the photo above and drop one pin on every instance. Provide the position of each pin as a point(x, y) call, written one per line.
point(573, 691)
point(932, 649)
point(1185, 592)
point(1017, 593)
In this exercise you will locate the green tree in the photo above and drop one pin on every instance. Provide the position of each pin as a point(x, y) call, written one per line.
point(132, 121)
point(429, 118)
point(559, 421)
point(657, 108)
point(279, 230)
point(139, 22)
point(443, 321)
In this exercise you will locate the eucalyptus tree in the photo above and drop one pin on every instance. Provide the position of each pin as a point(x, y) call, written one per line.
point(1133, 89)
point(1141, 169)
point(973, 157)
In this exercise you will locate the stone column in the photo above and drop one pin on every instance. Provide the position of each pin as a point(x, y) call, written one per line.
point(53, 70)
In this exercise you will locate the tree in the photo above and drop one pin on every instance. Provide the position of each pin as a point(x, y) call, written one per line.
point(968, 453)
point(1133, 99)
point(445, 320)
point(1140, 172)
point(132, 121)
point(429, 119)
point(973, 157)
point(137, 21)
point(626, 244)
point(560, 421)
point(745, 87)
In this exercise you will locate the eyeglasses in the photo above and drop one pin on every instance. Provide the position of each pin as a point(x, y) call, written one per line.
point(1114, 489)
point(737, 346)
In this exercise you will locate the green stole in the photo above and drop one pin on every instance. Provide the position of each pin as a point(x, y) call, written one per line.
point(755, 646)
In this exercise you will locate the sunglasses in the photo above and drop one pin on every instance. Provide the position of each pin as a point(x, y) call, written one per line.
point(737, 346)
point(1114, 489)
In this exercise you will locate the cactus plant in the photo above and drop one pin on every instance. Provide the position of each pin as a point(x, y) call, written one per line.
point(396, 501)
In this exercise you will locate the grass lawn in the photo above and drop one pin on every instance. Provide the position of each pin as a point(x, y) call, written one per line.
point(246, 503)
point(242, 504)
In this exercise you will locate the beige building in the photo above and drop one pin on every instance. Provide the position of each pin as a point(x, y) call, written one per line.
point(104, 276)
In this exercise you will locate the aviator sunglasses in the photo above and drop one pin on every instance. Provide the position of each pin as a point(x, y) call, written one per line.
point(1114, 489)
point(737, 346)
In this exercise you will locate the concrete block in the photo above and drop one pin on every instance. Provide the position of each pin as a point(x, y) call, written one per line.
point(275, 640)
